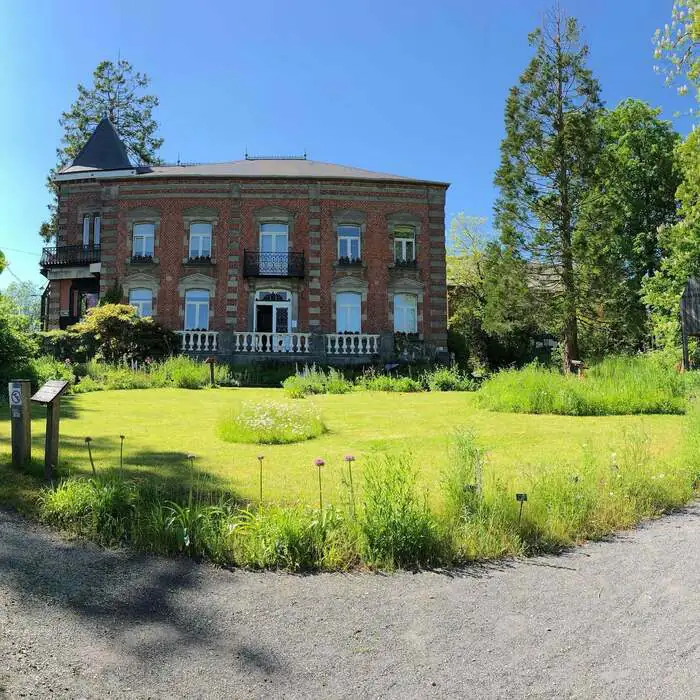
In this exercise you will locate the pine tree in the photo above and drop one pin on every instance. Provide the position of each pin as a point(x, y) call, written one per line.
point(547, 158)
point(117, 92)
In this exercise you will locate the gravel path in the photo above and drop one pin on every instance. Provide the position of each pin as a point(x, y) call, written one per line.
point(611, 620)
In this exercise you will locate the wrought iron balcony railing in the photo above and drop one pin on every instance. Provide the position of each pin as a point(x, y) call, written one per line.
point(65, 255)
point(257, 264)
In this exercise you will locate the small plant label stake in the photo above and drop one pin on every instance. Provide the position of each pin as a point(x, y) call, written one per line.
point(521, 498)
point(350, 459)
point(121, 453)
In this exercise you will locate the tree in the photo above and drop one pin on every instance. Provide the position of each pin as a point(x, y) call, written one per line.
point(118, 92)
point(26, 297)
point(3, 261)
point(485, 327)
point(633, 195)
point(548, 157)
point(677, 46)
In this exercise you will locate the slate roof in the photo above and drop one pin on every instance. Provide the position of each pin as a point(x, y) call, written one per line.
point(104, 150)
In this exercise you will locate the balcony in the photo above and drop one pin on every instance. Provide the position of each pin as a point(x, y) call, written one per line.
point(70, 255)
point(257, 264)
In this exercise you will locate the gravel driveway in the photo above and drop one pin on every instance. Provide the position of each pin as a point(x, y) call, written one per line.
point(611, 620)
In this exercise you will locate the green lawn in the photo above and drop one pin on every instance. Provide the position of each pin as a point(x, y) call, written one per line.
point(163, 425)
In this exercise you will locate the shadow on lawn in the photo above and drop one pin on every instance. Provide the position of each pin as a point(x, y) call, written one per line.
point(148, 605)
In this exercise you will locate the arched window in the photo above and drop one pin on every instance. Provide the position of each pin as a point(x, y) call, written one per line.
point(196, 310)
point(142, 299)
point(348, 312)
point(405, 313)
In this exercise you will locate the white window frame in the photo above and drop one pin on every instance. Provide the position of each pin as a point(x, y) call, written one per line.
point(403, 236)
point(86, 229)
point(348, 312)
point(346, 240)
point(139, 247)
point(96, 229)
point(200, 307)
point(405, 313)
point(144, 306)
point(200, 239)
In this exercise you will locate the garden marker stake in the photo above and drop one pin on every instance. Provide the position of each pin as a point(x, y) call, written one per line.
point(260, 460)
point(121, 453)
point(319, 463)
point(521, 498)
point(88, 440)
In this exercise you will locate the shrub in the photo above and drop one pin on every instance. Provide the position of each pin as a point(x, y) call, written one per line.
point(119, 334)
point(397, 529)
point(617, 386)
point(17, 346)
point(46, 367)
point(448, 379)
point(271, 423)
point(67, 345)
point(462, 481)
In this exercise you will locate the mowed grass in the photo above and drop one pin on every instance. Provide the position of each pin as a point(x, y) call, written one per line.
point(163, 426)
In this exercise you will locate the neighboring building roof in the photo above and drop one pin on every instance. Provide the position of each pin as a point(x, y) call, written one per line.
point(104, 150)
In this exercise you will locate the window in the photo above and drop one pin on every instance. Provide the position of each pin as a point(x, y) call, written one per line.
point(196, 310)
point(349, 243)
point(142, 299)
point(86, 229)
point(404, 245)
point(405, 313)
point(143, 240)
point(96, 229)
point(348, 311)
point(200, 240)
point(274, 238)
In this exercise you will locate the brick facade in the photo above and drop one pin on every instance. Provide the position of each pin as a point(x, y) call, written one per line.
point(235, 207)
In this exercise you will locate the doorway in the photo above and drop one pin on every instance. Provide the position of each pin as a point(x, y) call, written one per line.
point(272, 316)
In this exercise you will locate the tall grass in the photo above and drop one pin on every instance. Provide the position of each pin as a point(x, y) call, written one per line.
point(313, 380)
point(179, 371)
point(616, 386)
point(393, 525)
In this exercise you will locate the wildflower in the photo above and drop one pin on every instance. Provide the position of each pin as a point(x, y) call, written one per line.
point(349, 458)
point(319, 462)
point(88, 439)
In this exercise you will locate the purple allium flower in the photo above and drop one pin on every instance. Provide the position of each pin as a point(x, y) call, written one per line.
point(88, 439)
point(319, 462)
point(349, 458)
point(261, 457)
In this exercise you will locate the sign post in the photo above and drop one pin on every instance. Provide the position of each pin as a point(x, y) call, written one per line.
point(50, 396)
point(21, 419)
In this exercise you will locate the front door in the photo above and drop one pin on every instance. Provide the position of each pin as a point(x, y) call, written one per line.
point(272, 311)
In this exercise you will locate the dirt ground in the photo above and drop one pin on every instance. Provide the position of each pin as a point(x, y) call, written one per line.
point(609, 620)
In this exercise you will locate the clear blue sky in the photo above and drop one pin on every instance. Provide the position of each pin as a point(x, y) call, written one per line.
point(402, 86)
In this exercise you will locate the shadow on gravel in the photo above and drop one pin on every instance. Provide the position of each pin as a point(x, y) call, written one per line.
point(132, 599)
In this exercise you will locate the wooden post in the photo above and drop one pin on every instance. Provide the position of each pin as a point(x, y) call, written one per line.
point(21, 419)
point(50, 396)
